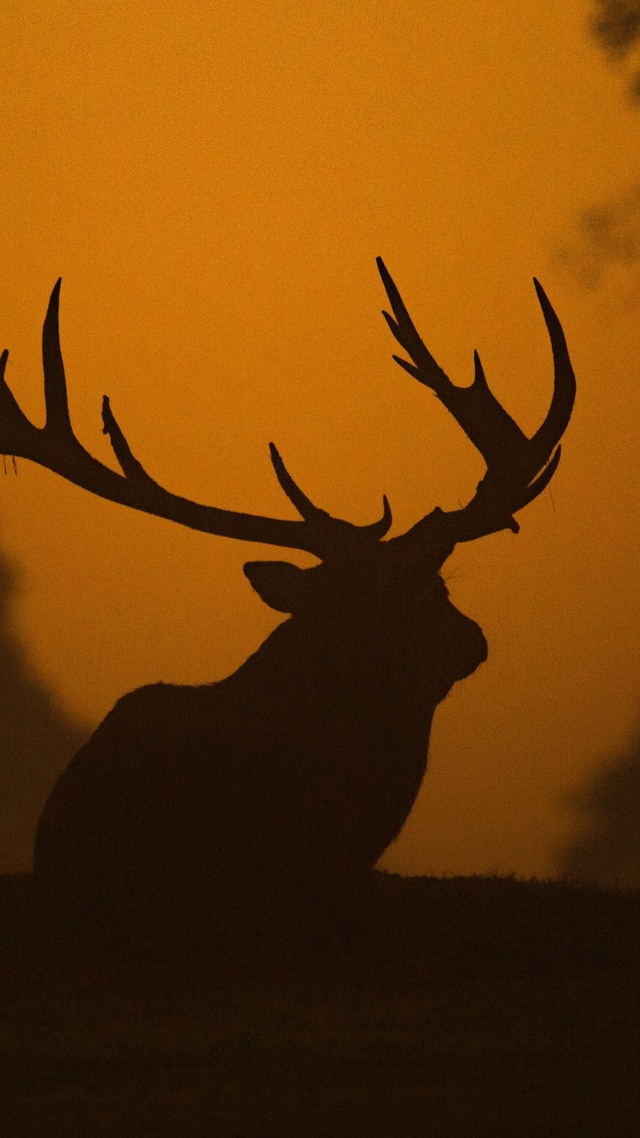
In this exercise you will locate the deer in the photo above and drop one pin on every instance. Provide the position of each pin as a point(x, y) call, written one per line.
point(297, 771)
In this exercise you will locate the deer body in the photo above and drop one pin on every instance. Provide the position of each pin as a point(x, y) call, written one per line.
point(301, 767)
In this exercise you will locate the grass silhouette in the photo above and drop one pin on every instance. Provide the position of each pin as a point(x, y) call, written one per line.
point(453, 1008)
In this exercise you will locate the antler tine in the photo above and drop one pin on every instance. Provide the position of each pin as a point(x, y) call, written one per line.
point(483, 419)
point(514, 462)
point(15, 429)
point(405, 332)
point(312, 513)
point(296, 496)
point(131, 468)
point(56, 448)
point(564, 389)
point(55, 384)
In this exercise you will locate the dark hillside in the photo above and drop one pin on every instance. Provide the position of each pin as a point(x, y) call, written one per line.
point(455, 1008)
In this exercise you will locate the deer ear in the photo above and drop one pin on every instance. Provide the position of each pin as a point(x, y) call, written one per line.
point(281, 585)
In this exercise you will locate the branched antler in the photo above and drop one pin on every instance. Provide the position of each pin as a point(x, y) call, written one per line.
point(55, 447)
point(518, 468)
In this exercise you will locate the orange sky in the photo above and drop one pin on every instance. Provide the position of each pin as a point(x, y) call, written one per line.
point(213, 183)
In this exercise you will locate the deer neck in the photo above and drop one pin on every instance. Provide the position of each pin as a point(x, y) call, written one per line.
point(339, 678)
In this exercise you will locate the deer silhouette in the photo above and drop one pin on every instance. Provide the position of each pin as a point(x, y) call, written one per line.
point(303, 765)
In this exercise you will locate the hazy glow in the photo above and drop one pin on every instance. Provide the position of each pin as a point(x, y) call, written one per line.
point(214, 183)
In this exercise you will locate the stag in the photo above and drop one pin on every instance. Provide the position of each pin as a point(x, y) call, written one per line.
point(303, 765)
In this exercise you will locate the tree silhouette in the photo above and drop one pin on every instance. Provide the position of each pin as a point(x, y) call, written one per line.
point(606, 850)
point(616, 27)
point(37, 738)
point(608, 233)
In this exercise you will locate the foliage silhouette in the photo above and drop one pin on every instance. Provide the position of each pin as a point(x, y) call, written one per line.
point(608, 233)
point(608, 237)
point(273, 792)
point(606, 849)
point(37, 739)
point(616, 26)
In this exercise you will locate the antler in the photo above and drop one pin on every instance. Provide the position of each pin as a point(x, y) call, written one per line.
point(518, 468)
point(55, 447)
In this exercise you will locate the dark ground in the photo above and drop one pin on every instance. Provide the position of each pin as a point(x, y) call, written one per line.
point(452, 1008)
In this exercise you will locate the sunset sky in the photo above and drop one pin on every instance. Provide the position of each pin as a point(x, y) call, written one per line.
point(213, 183)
